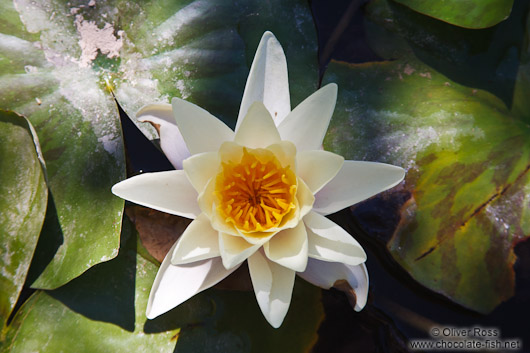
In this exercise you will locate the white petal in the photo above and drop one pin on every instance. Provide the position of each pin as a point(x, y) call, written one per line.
point(206, 199)
point(171, 140)
point(175, 284)
point(257, 130)
point(307, 124)
point(267, 81)
point(325, 274)
point(273, 286)
point(201, 131)
point(198, 242)
point(355, 182)
point(169, 192)
point(257, 238)
point(200, 168)
point(317, 168)
point(285, 151)
point(305, 198)
point(329, 242)
point(289, 248)
point(235, 249)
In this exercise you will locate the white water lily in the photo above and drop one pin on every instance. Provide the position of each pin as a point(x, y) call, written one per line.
point(259, 194)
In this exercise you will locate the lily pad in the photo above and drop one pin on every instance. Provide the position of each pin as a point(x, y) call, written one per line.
point(467, 161)
point(464, 13)
point(103, 310)
point(76, 124)
point(106, 308)
point(483, 58)
point(23, 195)
point(58, 59)
point(465, 148)
point(201, 51)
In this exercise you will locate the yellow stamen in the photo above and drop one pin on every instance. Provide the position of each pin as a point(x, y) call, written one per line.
point(255, 194)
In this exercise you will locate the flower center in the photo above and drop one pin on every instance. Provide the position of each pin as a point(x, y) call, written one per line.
point(256, 193)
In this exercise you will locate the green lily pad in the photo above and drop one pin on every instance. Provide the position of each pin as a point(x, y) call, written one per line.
point(201, 51)
point(484, 59)
point(463, 207)
point(464, 13)
point(104, 310)
point(23, 195)
point(77, 126)
point(467, 161)
point(58, 59)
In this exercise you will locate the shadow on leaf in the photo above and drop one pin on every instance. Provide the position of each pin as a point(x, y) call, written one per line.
point(50, 239)
point(106, 292)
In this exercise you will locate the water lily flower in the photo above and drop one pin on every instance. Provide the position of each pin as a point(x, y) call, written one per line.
point(259, 193)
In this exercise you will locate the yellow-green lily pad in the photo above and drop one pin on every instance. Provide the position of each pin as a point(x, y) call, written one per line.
point(454, 222)
point(467, 159)
point(464, 13)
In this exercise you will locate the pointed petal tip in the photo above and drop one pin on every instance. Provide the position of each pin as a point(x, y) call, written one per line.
point(273, 287)
point(398, 174)
point(267, 81)
point(157, 191)
point(116, 189)
point(149, 314)
point(230, 263)
point(269, 36)
point(275, 323)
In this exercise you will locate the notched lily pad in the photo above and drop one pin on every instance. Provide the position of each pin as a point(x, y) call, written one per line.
point(483, 59)
point(467, 159)
point(106, 307)
point(23, 196)
point(102, 310)
point(77, 126)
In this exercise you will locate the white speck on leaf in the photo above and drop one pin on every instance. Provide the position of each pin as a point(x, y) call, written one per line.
point(30, 69)
point(426, 74)
point(94, 39)
point(409, 70)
